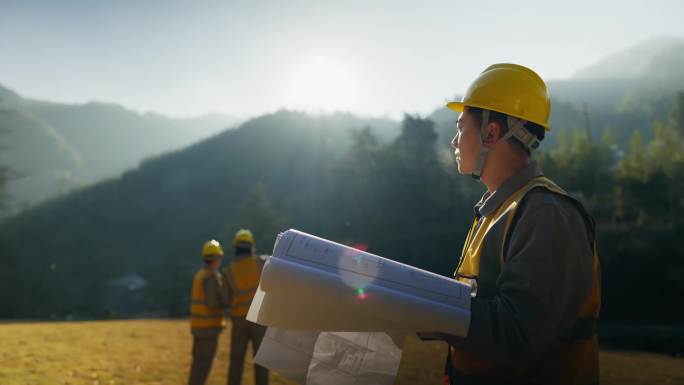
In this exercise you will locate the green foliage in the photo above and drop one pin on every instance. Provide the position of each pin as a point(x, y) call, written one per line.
point(400, 200)
point(258, 214)
point(677, 114)
point(584, 168)
point(650, 178)
point(4, 178)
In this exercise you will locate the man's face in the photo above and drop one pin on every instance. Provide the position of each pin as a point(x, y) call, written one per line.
point(466, 143)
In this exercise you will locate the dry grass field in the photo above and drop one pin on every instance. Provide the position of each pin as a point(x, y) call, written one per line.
point(158, 352)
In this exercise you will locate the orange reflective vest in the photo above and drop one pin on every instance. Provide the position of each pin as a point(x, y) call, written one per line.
point(203, 316)
point(243, 277)
point(574, 360)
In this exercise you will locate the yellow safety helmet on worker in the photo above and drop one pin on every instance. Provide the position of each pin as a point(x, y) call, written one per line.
point(511, 89)
point(212, 250)
point(515, 91)
point(243, 236)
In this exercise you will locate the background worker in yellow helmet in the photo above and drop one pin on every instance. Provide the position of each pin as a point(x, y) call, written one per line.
point(207, 312)
point(242, 276)
point(530, 253)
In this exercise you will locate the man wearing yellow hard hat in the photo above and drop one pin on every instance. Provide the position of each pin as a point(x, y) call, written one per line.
point(242, 276)
point(207, 312)
point(530, 254)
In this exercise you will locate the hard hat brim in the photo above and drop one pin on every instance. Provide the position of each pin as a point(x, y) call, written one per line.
point(456, 106)
point(460, 106)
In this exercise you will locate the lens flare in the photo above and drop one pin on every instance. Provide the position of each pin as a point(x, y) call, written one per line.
point(361, 246)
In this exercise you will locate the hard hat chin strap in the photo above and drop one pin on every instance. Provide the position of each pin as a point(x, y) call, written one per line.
point(516, 129)
point(484, 151)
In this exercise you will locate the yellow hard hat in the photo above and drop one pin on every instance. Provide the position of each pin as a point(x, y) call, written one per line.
point(212, 249)
point(243, 236)
point(511, 89)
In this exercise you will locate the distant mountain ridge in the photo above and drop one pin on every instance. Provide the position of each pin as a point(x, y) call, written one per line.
point(629, 80)
point(7, 95)
point(54, 148)
point(653, 58)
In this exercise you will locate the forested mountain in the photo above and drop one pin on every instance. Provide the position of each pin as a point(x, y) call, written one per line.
point(151, 220)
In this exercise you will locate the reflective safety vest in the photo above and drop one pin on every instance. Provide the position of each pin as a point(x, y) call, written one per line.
point(243, 277)
point(203, 316)
point(574, 359)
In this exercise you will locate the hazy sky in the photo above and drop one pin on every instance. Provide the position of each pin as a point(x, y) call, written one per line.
point(247, 57)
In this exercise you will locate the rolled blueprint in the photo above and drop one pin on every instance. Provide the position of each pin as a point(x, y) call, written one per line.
point(317, 285)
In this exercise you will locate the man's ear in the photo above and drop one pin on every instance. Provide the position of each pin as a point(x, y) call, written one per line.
point(493, 133)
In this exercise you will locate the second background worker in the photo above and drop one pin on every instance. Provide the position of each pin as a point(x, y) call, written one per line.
point(242, 278)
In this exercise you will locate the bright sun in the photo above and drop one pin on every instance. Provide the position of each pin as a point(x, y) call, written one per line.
point(321, 83)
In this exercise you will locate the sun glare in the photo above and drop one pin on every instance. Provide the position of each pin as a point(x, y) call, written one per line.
point(322, 83)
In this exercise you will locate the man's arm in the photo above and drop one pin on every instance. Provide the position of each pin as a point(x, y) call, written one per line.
point(547, 275)
point(227, 288)
point(214, 290)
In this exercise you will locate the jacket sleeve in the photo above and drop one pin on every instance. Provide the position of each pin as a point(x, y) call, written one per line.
point(214, 290)
point(547, 275)
point(227, 288)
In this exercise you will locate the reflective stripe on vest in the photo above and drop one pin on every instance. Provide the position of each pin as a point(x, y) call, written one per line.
point(243, 278)
point(574, 360)
point(201, 315)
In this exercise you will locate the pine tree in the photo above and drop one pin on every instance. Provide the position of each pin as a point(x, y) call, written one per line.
point(258, 214)
point(677, 114)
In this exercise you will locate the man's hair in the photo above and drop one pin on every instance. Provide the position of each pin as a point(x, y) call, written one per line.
point(502, 119)
point(241, 250)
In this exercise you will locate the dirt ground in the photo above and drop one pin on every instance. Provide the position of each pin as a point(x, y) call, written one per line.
point(158, 352)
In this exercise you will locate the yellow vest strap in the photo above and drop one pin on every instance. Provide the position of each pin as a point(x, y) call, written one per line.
point(207, 316)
